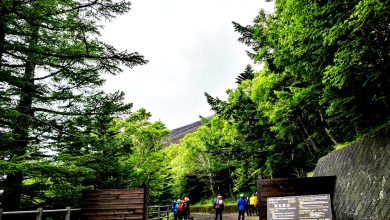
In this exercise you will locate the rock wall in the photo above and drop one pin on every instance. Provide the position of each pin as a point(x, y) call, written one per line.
point(362, 170)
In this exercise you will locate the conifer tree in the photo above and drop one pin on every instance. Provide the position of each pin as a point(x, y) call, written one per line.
point(51, 70)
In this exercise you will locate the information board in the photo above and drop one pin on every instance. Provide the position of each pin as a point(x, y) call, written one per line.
point(308, 207)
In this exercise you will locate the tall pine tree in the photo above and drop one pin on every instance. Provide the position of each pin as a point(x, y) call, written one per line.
point(51, 70)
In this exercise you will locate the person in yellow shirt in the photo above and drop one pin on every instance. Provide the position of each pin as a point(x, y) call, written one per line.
point(253, 204)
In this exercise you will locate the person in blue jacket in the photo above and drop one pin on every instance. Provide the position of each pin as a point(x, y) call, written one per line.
point(174, 208)
point(241, 203)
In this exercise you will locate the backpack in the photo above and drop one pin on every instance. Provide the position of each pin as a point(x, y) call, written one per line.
point(218, 203)
point(182, 205)
point(174, 207)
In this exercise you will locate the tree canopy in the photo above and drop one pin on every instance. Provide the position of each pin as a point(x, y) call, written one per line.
point(50, 77)
point(324, 81)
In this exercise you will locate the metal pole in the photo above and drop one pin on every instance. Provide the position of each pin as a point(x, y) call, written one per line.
point(67, 215)
point(39, 214)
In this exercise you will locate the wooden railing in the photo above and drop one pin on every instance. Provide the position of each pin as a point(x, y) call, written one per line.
point(40, 211)
point(160, 212)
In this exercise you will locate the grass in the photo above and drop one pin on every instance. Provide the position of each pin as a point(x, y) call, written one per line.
point(310, 174)
point(346, 144)
point(227, 200)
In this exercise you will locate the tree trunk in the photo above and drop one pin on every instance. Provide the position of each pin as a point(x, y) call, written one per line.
point(230, 185)
point(13, 181)
point(210, 175)
point(2, 32)
point(12, 191)
point(326, 129)
point(313, 144)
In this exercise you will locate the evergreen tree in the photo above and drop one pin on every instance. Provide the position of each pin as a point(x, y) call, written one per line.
point(50, 74)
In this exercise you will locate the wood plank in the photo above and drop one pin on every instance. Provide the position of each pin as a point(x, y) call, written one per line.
point(94, 195)
point(112, 201)
point(112, 197)
point(113, 204)
point(100, 192)
point(119, 212)
point(126, 196)
point(140, 217)
point(115, 207)
point(114, 191)
point(118, 215)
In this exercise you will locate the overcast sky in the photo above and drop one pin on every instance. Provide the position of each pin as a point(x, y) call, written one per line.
point(191, 47)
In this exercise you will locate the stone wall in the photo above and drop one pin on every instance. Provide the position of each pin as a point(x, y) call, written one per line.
point(362, 170)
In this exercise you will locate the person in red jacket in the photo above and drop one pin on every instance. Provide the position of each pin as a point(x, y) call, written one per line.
point(183, 209)
point(218, 206)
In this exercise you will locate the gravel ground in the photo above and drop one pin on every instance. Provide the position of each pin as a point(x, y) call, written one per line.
point(199, 216)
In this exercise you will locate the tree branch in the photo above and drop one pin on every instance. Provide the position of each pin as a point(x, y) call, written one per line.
point(307, 134)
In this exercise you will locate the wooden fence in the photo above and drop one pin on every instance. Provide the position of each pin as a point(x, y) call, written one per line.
point(103, 204)
point(292, 187)
point(39, 213)
point(160, 212)
point(115, 204)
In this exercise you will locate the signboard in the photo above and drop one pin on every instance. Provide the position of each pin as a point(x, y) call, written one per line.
point(307, 207)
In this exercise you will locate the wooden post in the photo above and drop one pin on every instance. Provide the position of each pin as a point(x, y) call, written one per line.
point(1, 214)
point(67, 216)
point(259, 199)
point(158, 212)
point(146, 201)
point(39, 214)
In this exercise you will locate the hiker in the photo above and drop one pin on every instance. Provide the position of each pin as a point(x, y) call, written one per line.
point(183, 208)
point(174, 205)
point(247, 206)
point(241, 204)
point(218, 206)
point(253, 204)
point(186, 212)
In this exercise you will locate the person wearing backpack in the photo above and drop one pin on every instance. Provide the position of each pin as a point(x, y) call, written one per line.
point(186, 213)
point(218, 206)
point(174, 208)
point(247, 206)
point(241, 204)
point(183, 209)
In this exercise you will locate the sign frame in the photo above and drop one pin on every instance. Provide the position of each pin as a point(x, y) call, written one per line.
point(305, 207)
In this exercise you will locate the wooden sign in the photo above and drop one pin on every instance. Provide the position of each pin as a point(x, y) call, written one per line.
point(308, 207)
point(281, 187)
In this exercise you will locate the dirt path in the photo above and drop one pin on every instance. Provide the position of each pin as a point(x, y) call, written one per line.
point(201, 216)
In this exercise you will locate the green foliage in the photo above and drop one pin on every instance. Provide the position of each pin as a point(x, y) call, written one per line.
point(331, 60)
point(324, 68)
point(126, 154)
point(147, 161)
point(200, 158)
point(54, 118)
point(324, 82)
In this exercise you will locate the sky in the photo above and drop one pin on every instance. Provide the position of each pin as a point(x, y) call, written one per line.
point(192, 49)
